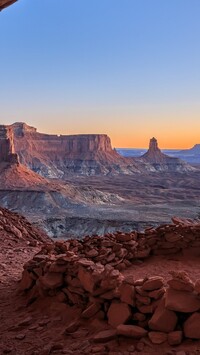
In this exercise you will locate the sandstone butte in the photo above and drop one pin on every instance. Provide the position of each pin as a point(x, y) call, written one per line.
point(60, 156)
point(72, 297)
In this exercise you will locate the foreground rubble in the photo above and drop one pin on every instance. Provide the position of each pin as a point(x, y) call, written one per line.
point(89, 275)
point(112, 295)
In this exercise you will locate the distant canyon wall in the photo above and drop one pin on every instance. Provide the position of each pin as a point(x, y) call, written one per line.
point(7, 151)
point(60, 156)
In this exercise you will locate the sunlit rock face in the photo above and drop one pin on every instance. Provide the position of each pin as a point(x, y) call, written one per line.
point(158, 161)
point(61, 156)
point(58, 156)
point(7, 151)
point(6, 3)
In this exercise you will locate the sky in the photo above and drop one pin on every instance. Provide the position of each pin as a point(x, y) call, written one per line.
point(127, 68)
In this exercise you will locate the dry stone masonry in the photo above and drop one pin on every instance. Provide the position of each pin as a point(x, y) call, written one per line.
point(88, 274)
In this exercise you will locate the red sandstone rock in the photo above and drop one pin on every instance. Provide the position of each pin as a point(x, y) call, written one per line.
point(153, 283)
point(123, 237)
point(181, 301)
point(127, 294)
point(91, 310)
point(157, 337)
point(26, 282)
point(87, 280)
point(163, 320)
point(72, 327)
point(51, 280)
point(132, 331)
point(143, 299)
point(180, 286)
point(173, 237)
point(139, 317)
point(100, 349)
point(118, 313)
point(156, 294)
point(181, 281)
point(192, 326)
point(175, 338)
point(105, 336)
point(141, 292)
point(197, 286)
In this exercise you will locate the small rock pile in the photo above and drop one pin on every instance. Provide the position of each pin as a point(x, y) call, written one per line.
point(132, 308)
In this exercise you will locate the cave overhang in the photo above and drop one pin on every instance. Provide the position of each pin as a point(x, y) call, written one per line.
point(6, 3)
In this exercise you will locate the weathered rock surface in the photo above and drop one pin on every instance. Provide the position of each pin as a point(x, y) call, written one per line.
point(131, 331)
point(181, 301)
point(64, 155)
point(191, 326)
point(161, 162)
point(163, 320)
point(6, 3)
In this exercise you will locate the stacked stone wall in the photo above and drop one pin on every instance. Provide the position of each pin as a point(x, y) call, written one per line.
point(88, 274)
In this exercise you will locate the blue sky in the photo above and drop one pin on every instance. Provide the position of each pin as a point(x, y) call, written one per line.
point(128, 68)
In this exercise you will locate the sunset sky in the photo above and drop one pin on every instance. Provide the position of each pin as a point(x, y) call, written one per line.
point(127, 68)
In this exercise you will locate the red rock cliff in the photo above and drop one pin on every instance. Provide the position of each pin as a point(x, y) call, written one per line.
point(62, 155)
point(59, 145)
point(7, 152)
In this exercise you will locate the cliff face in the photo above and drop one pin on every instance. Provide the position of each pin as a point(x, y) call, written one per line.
point(7, 151)
point(59, 156)
point(158, 161)
point(63, 155)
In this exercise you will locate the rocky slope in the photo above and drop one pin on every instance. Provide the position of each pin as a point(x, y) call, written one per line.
point(25, 191)
point(158, 161)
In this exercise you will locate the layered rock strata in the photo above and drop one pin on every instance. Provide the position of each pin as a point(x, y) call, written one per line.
point(162, 162)
point(59, 156)
point(64, 155)
point(7, 151)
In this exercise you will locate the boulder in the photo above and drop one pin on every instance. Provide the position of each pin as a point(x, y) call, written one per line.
point(87, 280)
point(118, 313)
point(163, 319)
point(127, 294)
point(157, 337)
point(153, 283)
point(175, 338)
point(180, 285)
point(131, 331)
point(181, 301)
point(192, 326)
point(51, 280)
point(105, 335)
point(91, 310)
point(26, 282)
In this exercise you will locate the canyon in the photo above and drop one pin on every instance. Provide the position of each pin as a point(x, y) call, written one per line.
point(62, 156)
point(91, 201)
